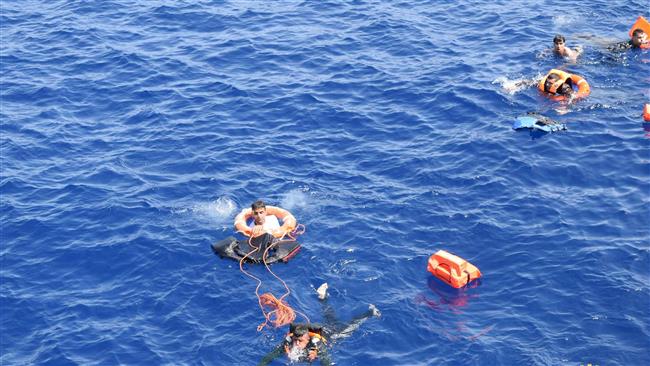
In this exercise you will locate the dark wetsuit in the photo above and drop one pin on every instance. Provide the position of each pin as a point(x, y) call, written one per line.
point(320, 347)
point(621, 46)
point(331, 330)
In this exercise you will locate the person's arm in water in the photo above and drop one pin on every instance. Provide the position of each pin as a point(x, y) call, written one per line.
point(619, 46)
point(573, 54)
point(279, 351)
point(324, 357)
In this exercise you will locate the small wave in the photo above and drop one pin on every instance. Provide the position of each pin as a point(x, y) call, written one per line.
point(513, 86)
point(219, 210)
point(295, 198)
point(564, 20)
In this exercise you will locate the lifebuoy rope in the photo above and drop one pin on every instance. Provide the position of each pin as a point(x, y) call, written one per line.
point(279, 312)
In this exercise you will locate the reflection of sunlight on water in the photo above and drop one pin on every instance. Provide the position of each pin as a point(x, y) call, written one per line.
point(219, 210)
point(296, 198)
point(562, 109)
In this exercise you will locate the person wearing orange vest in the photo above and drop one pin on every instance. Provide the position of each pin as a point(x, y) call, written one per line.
point(304, 343)
point(559, 85)
point(639, 40)
point(638, 37)
point(307, 342)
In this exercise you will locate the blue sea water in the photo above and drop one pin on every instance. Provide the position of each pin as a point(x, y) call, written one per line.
point(134, 131)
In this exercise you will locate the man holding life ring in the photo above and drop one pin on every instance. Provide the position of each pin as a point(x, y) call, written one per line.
point(559, 85)
point(265, 220)
point(261, 224)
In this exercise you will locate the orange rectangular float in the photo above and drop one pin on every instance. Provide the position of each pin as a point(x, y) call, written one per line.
point(451, 269)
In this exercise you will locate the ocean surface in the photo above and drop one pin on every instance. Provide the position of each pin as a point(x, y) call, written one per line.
point(133, 132)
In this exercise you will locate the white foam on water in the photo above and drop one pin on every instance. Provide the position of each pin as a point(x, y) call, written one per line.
point(295, 354)
point(513, 86)
point(295, 198)
point(220, 210)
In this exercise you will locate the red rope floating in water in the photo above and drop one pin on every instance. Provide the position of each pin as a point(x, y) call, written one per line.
point(279, 314)
point(276, 311)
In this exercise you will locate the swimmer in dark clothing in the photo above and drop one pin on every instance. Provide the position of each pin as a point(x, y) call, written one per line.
point(639, 40)
point(307, 342)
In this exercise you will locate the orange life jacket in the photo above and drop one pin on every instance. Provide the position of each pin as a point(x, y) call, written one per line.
point(644, 25)
point(575, 80)
point(312, 336)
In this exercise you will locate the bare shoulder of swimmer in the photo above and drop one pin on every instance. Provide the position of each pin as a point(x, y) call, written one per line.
point(572, 53)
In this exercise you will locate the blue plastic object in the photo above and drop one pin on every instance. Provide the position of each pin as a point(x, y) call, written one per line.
point(537, 124)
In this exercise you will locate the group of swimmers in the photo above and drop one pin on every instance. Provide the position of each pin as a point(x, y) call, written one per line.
point(304, 342)
point(560, 85)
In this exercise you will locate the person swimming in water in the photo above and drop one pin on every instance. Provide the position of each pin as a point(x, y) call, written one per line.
point(261, 218)
point(560, 48)
point(560, 85)
point(260, 222)
point(553, 84)
point(307, 342)
point(638, 40)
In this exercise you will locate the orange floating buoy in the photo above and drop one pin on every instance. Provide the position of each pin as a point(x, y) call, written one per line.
point(451, 269)
point(646, 112)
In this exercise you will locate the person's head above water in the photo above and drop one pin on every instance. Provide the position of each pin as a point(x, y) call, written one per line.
point(259, 212)
point(560, 48)
point(300, 337)
point(559, 43)
point(561, 85)
point(555, 85)
point(639, 37)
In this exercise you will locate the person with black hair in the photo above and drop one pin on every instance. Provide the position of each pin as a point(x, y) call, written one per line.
point(261, 218)
point(308, 342)
point(560, 48)
point(638, 40)
point(553, 84)
point(560, 85)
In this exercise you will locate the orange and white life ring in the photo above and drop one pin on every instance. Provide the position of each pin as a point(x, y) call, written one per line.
point(288, 221)
point(577, 81)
